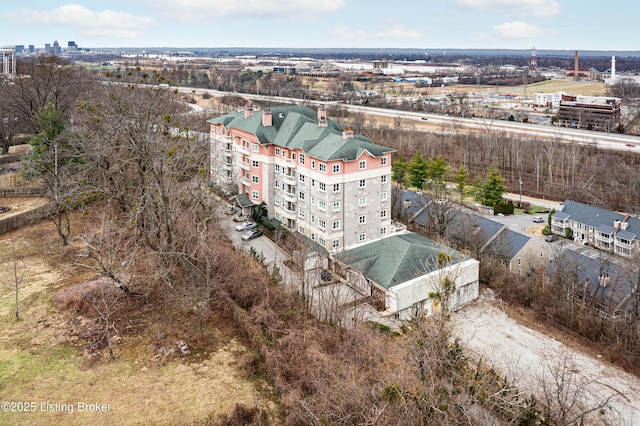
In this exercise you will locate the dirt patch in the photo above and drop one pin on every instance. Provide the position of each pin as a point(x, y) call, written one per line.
point(535, 230)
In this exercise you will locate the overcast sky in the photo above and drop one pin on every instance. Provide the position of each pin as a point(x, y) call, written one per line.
point(484, 24)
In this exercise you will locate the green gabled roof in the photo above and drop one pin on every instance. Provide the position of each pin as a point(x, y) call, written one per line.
point(297, 127)
point(397, 259)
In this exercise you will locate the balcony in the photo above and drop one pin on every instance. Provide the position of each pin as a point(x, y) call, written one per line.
point(290, 211)
point(605, 238)
point(227, 166)
point(559, 224)
point(245, 181)
point(245, 165)
point(226, 147)
point(290, 196)
point(242, 149)
point(290, 179)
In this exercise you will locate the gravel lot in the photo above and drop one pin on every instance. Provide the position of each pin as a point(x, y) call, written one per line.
point(522, 354)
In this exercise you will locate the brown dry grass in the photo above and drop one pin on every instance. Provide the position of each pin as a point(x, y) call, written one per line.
point(42, 357)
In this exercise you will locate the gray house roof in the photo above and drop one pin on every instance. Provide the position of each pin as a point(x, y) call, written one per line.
point(586, 214)
point(620, 281)
point(507, 244)
point(397, 259)
point(297, 127)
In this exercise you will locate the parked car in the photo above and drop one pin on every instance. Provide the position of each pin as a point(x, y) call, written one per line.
point(550, 238)
point(245, 226)
point(538, 219)
point(251, 234)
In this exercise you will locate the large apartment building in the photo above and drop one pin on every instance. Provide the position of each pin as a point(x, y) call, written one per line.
point(314, 176)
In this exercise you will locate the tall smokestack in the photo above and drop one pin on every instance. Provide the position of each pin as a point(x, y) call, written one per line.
point(577, 70)
point(613, 69)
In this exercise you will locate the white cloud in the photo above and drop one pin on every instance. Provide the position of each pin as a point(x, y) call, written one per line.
point(391, 30)
point(207, 11)
point(518, 30)
point(528, 8)
point(87, 22)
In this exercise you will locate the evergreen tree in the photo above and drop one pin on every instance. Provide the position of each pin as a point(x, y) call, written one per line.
point(461, 178)
point(400, 170)
point(418, 170)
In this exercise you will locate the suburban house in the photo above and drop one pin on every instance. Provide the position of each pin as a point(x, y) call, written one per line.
point(404, 274)
point(519, 253)
point(476, 234)
point(315, 177)
point(607, 284)
point(610, 231)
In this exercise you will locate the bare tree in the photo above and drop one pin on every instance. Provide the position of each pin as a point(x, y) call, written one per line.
point(570, 398)
point(17, 270)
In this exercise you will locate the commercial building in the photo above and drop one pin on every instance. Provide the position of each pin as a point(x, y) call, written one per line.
point(589, 112)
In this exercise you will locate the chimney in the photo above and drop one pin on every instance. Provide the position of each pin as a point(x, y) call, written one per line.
point(248, 112)
point(267, 118)
point(347, 133)
point(322, 116)
point(576, 77)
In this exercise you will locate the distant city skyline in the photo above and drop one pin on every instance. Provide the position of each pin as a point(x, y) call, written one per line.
point(455, 24)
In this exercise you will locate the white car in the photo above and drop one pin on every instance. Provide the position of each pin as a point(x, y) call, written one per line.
point(245, 226)
point(538, 219)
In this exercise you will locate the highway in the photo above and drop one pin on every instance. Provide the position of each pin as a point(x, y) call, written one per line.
point(437, 122)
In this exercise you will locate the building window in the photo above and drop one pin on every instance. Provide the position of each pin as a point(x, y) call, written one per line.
point(301, 158)
point(362, 201)
point(322, 186)
point(276, 201)
point(301, 213)
point(322, 242)
point(277, 216)
point(313, 183)
point(336, 168)
point(277, 168)
point(519, 271)
point(383, 231)
point(255, 147)
point(301, 178)
point(383, 179)
point(301, 230)
point(254, 163)
point(519, 261)
point(336, 187)
point(362, 219)
point(336, 206)
point(255, 194)
point(383, 214)
point(301, 195)
point(362, 165)
point(277, 151)
point(321, 223)
point(322, 167)
point(313, 201)
point(383, 161)
point(284, 153)
point(313, 164)
point(322, 205)
point(383, 196)
point(277, 184)
point(293, 155)
point(541, 253)
point(362, 237)
point(313, 219)
point(362, 183)
point(335, 243)
point(255, 179)
point(335, 225)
